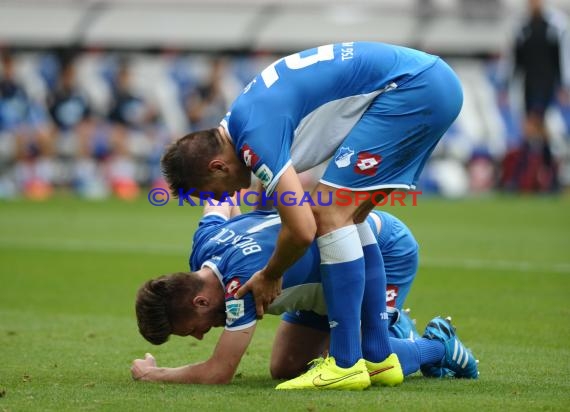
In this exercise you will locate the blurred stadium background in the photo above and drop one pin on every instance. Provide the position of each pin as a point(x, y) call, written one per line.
point(94, 89)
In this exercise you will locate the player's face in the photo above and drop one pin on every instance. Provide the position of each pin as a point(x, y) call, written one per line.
point(197, 326)
point(228, 174)
point(227, 185)
point(218, 188)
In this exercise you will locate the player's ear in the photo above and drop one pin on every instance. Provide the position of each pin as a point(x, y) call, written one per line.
point(201, 301)
point(217, 165)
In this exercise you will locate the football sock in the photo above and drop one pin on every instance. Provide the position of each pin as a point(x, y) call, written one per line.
point(431, 350)
point(413, 354)
point(375, 335)
point(342, 273)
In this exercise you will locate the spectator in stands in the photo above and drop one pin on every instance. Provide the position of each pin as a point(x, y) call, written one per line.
point(24, 136)
point(541, 54)
point(71, 113)
point(74, 125)
point(134, 126)
point(208, 103)
point(131, 116)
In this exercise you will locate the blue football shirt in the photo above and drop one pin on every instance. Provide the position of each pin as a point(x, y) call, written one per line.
point(300, 108)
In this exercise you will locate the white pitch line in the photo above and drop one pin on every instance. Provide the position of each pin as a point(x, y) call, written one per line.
point(518, 265)
point(94, 245)
point(68, 245)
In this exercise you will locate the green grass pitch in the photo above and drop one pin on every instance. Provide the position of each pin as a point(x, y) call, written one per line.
point(69, 271)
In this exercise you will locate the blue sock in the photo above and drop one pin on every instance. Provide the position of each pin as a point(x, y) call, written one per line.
point(375, 336)
point(408, 355)
point(342, 273)
point(413, 354)
point(431, 350)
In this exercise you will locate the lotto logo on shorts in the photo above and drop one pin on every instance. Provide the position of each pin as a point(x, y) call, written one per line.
point(367, 163)
point(391, 295)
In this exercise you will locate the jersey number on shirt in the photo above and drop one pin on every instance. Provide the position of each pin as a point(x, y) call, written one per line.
point(295, 62)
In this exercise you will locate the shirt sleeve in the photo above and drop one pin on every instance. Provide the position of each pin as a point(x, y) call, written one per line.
point(240, 313)
point(262, 142)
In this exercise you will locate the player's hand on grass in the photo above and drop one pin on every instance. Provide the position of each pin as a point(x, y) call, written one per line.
point(265, 290)
point(142, 367)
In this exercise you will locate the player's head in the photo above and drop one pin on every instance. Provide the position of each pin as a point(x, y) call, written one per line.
point(535, 6)
point(7, 64)
point(175, 305)
point(204, 161)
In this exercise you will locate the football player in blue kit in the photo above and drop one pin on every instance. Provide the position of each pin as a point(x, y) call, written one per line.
point(224, 255)
point(377, 111)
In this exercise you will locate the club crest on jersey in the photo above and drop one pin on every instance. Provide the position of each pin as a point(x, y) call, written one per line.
point(342, 159)
point(367, 163)
point(232, 286)
point(234, 310)
point(248, 155)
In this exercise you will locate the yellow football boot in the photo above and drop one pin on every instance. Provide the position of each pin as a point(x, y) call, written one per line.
point(326, 375)
point(386, 373)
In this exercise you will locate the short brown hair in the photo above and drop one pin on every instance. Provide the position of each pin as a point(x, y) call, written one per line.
point(163, 301)
point(185, 162)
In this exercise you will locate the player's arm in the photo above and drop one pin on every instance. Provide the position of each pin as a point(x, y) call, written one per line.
point(297, 232)
point(261, 203)
point(298, 227)
point(226, 209)
point(219, 369)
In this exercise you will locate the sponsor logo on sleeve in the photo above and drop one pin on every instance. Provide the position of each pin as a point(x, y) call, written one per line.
point(234, 310)
point(264, 174)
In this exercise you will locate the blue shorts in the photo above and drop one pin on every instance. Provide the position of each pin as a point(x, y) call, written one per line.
point(307, 318)
point(401, 260)
point(400, 252)
point(398, 132)
point(398, 287)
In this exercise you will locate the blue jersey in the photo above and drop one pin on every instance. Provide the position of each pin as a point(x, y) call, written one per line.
point(300, 109)
point(235, 249)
